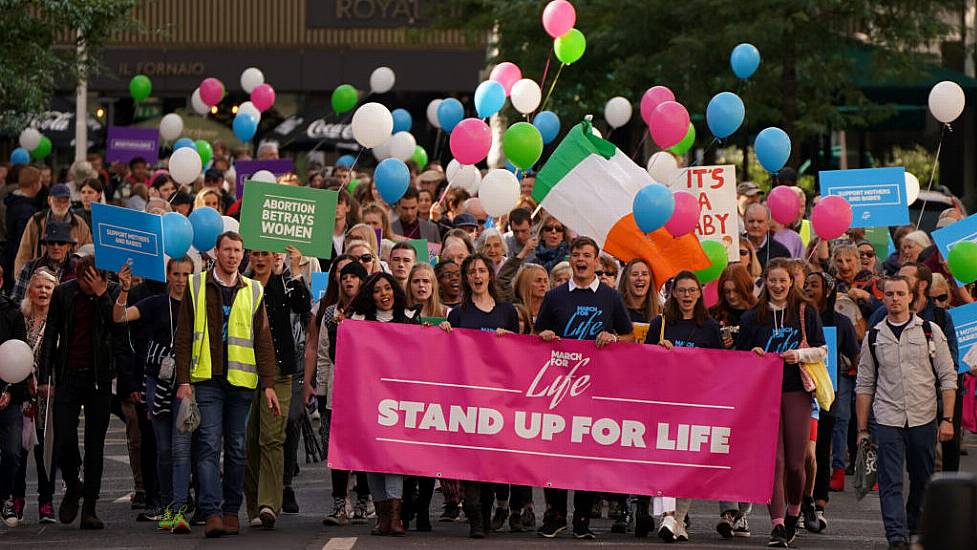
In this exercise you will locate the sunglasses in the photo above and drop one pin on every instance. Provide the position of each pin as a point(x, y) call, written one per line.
point(744, 252)
point(554, 228)
point(866, 254)
point(366, 258)
point(941, 297)
point(600, 273)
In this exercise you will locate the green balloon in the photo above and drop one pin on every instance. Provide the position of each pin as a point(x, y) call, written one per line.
point(570, 46)
point(687, 142)
point(205, 151)
point(962, 261)
point(140, 87)
point(351, 186)
point(344, 98)
point(419, 157)
point(716, 253)
point(43, 149)
point(522, 145)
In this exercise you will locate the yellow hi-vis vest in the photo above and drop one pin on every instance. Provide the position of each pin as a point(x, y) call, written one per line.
point(242, 368)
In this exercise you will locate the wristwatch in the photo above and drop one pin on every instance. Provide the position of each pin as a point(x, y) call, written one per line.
point(948, 419)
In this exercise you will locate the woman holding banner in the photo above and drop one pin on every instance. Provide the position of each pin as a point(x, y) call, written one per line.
point(382, 300)
point(531, 284)
point(422, 290)
point(480, 310)
point(685, 323)
point(735, 298)
point(637, 286)
point(782, 323)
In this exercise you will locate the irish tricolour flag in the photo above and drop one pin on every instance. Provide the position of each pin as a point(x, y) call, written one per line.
point(589, 185)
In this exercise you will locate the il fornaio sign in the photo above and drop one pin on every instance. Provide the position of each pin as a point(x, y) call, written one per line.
point(628, 418)
point(364, 13)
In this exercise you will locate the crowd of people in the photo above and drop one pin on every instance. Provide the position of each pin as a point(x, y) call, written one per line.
point(238, 333)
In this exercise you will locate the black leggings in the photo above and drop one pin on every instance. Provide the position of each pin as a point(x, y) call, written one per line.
point(822, 453)
point(340, 483)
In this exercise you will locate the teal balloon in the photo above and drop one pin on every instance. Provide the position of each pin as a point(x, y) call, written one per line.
point(244, 126)
point(20, 156)
point(207, 226)
point(653, 206)
point(725, 114)
point(772, 148)
point(177, 234)
point(184, 142)
point(718, 260)
point(391, 178)
point(489, 98)
point(548, 125)
point(450, 113)
point(744, 60)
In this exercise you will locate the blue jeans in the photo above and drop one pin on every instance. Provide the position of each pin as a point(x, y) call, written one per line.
point(913, 449)
point(841, 410)
point(385, 486)
point(11, 426)
point(173, 453)
point(223, 412)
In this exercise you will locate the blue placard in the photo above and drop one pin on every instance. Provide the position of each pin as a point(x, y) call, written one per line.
point(320, 282)
point(877, 195)
point(123, 235)
point(831, 338)
point(963, 230)
point(965, 323)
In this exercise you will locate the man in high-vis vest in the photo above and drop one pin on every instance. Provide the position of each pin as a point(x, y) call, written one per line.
point(224, 352)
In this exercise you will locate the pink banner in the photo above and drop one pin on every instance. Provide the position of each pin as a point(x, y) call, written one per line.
point(629, 418)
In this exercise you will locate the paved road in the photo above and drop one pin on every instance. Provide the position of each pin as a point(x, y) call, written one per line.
point(852, 524)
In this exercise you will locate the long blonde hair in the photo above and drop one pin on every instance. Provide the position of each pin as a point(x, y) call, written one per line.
point(431, 307)
point(198, 201)
point(649, 304)
point(364, 232)
point(523, 285)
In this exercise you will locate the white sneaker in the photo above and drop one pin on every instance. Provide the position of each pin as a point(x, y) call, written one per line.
point(682, 535)
point(741, 527)
point(255, 522)
point(669, 529)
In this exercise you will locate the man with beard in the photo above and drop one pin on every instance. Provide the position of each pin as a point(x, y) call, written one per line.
point(56, 257)
point(59, 210)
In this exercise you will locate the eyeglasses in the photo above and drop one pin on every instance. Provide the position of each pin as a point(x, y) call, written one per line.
point(866, 253)
point(688, 291)
point(941, 297)
point(365, 258)
point(600, 273)
point(554, 228)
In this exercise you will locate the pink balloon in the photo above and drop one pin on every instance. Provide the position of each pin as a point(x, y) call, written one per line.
point(559, 17)
point(470, 141)
point(686, 214)
point(211, 91)
point(831, 217)
point(263, 97)
point(507, 74)
point(784, 205)
point(669, 124)
point(654, 96)
point(710, 294)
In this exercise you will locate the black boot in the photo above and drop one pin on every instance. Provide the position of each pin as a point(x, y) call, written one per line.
point(422, 506)
point(69, 504)
point(473, 510)
point(88, 518)
point(643, 522)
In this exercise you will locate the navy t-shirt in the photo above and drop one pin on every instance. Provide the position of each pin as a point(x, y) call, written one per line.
point(228, 293)
point(686, 333)
point(775, 336)
point(467, 315)
point(160, 314)
point(582, 314)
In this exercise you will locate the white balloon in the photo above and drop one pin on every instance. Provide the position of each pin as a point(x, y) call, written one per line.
point(463, 176)
point(30, 139)
point(249, 108)
point(170, 127)
point(402, 146)
point(663, 168)
point(198, 104)
point(185, 165)
point(263, 175)
point(251, 78)
point(947, 101)
point(525, 95)
point(432, 113)
point(617, 112)
point(230, 224)
point(382, 80)
point(382, 151)
point(372, 124)
point(16, 361)
point(499, 192)
point(230, 175)
point(912, 188)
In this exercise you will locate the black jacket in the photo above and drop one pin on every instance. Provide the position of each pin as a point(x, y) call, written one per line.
point(281, 300)
point(106, 336)
point(13, 327)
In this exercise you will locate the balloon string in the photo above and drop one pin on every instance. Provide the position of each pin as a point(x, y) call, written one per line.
point(352, 167)
point(437, 146)
point(936, 162)
point(542, 82)
point(553, 85)
point(695, 163)
point(644, 138)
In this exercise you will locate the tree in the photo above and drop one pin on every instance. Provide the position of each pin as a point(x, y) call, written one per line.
point(35, 59)
point(814, 54)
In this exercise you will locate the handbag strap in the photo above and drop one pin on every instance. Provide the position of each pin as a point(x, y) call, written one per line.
point(661, 337)
point(803, 327)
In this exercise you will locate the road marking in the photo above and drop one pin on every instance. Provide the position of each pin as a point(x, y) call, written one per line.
point(342, 543)
point(124, 498)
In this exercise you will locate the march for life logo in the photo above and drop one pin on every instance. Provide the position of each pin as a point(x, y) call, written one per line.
point(585, 324)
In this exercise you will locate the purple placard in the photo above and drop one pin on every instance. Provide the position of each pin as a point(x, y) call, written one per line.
point(244, 169)
point(124, 144)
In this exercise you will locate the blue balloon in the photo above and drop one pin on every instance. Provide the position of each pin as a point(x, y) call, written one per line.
point(184, 142)
point(653, 207)
point(244, 126)
point(20, 156)
point(548, 125)
point(744, 60)
point(772, 148)
point(177, 234)
point(514, 169)
point(207, 226)
point(724, 114)
point(345, 161)
point(489, 98)
point(450, 113)
point(402, 120)
point(392, 178)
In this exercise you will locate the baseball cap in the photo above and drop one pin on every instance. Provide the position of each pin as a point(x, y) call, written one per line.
point(60, 191)
point(748, 188)
point(58, 232)
point(465, 219)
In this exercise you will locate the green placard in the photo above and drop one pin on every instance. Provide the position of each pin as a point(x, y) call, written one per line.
point(274, 216)
point(433, 321)
point(420, 246)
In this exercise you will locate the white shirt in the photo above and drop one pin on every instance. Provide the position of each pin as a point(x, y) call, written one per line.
point(592, 286)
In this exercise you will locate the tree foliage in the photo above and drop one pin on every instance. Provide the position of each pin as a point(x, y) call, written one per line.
point(40, 42)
